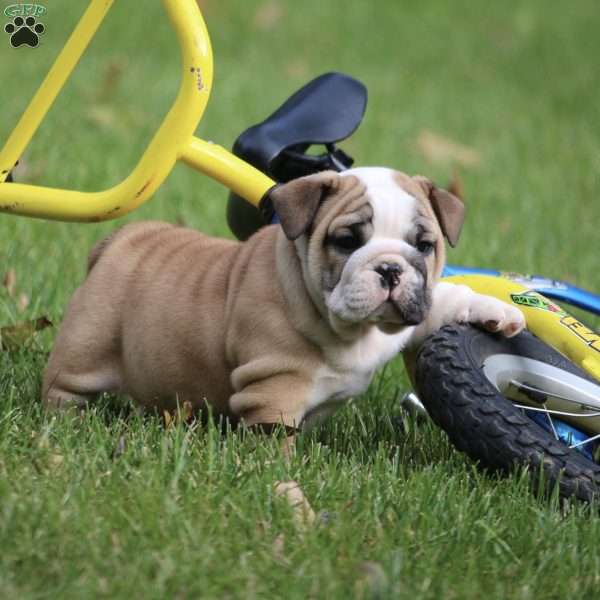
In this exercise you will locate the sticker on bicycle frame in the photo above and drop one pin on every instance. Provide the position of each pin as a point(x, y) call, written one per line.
point(25, 28)
point(591, 338)
point(534, 300)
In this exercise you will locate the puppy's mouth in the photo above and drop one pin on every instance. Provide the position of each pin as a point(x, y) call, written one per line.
point(405, 313)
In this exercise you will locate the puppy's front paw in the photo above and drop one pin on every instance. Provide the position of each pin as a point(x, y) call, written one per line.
point(496, 316)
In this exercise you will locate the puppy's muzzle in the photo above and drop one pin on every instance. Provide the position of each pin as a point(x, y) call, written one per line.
point(407, 306)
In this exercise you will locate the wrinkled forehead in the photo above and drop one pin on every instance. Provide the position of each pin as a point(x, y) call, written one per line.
point(396, 206)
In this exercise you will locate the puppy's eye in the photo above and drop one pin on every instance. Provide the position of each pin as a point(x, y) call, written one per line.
point(345, 242)
point(425, 247)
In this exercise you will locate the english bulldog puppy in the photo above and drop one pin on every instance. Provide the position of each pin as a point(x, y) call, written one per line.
point(280, 329)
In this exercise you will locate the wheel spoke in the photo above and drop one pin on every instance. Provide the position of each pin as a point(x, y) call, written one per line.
point(556, 436)
point(590, 439)
point(558, 413)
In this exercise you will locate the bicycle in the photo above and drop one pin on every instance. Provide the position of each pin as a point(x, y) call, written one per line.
point(534, 399)
point(464, 376)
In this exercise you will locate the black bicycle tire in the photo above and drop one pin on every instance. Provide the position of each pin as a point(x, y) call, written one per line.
point(485, 425)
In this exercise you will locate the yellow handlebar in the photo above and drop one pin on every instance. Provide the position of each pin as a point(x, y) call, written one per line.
point(173, 141)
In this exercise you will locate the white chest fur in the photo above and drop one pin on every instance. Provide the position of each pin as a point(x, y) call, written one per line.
point(349, 370)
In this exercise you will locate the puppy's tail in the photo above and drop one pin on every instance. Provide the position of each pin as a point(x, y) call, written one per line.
point(99, 249)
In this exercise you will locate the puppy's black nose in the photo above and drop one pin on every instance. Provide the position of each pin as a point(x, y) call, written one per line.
point(390, 274)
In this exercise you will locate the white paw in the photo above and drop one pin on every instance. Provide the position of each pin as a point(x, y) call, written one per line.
point(496, 316)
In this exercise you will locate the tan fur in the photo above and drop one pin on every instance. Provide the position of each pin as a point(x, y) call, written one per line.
point(154, 321)
point(98, 249)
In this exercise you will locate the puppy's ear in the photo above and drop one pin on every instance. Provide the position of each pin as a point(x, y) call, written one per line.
point(297, 202)
point(449, 210)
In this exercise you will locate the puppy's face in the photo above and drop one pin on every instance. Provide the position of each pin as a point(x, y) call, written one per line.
point(371, 243)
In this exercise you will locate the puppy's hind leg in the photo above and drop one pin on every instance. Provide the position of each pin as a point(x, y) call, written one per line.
point(64, 389)
point(84, 362)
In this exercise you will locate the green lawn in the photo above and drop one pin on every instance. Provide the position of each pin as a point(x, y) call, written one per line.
point(118, 506)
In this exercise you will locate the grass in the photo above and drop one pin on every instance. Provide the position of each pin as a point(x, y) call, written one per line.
point(118, 506)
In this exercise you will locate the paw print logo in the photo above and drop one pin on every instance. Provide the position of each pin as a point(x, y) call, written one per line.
point(24, 31)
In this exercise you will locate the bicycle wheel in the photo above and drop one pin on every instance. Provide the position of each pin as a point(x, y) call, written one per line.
point(473, 384)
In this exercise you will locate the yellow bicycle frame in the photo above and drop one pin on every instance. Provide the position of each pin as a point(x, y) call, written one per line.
point(173, 141)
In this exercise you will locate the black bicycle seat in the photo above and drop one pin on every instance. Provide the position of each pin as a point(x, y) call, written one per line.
point(324, 111)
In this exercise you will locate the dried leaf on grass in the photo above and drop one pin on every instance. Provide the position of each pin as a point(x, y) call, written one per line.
point(183, 414)
point(268, 15)
point(456, 186)
point(113, 74)
point(291, 491)
point(55, 459)
point(439, 149)
point(15, 337)
point(186, 412)
point(372, 581)
point(10, 282)
point(297, 68)
point(102, 115)
point(23, 301)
